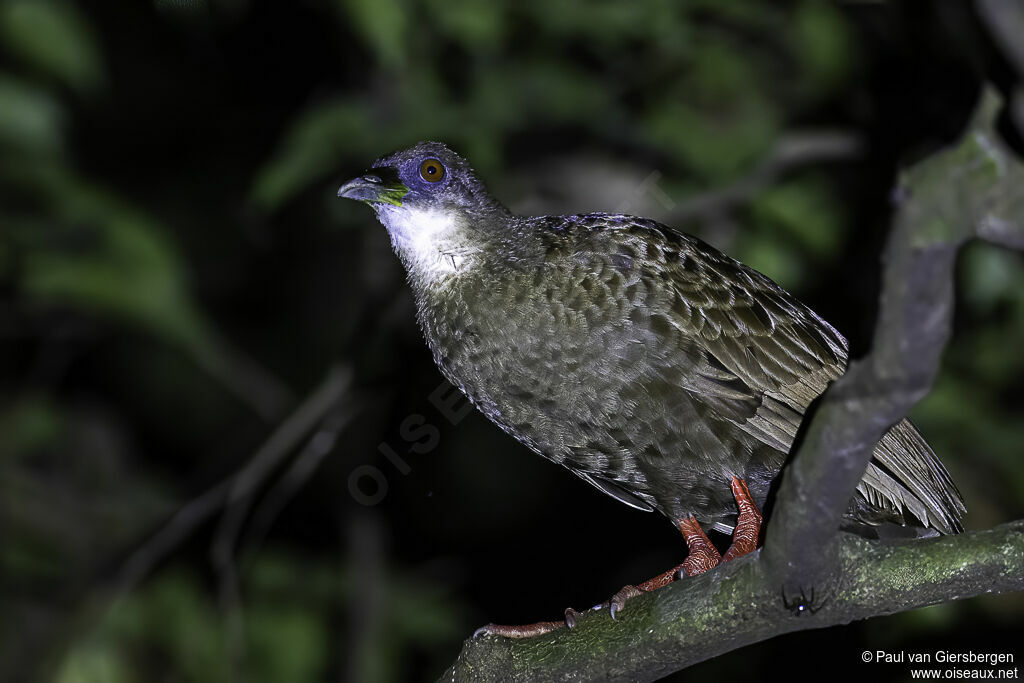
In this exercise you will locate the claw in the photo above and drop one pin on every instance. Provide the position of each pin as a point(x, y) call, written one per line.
point(618, 601)
point(702, 557)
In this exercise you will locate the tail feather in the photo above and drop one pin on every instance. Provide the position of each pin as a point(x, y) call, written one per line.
point(905, 477)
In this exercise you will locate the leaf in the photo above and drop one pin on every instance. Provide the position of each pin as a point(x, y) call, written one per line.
point(771, 257)
point(823, 45)
point(31, 119)
point(314, 144)
point(287, 642)
point(54, 38)
point(805, 209)
point(126, 269)
point(478, 26)
point(93, 663)
point(383, 24)
point(30, 423)
point(718, 144)
point(992, 276)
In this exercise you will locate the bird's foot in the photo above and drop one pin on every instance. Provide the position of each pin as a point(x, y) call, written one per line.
point(703, 556)
point(618, 601)
point(526, 630)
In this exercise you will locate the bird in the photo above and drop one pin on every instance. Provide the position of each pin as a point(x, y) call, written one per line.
point(656, 368)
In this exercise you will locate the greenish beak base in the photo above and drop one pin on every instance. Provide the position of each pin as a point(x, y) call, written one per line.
point(371, 188)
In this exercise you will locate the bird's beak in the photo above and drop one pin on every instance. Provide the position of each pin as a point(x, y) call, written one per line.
point(379, 186)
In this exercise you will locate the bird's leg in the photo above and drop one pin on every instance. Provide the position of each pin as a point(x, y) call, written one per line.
point(703, 556)
point(748, 527)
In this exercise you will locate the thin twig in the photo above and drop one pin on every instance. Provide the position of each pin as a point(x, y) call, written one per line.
point(247, 482)
point(793, 150)
point(318, 447)
point(251, 383)
point(161, 544)
point(198, 510)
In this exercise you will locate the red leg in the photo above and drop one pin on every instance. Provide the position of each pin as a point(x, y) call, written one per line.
point(524, 631)
point(702, 557)
point(618, 601)
point(703, 554)
point(748, 526)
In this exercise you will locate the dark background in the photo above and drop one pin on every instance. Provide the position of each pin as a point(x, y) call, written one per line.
point(177, 277)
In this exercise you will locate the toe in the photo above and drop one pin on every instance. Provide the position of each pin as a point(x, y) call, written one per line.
point(618, 601)
point(483, 630)
point(523, 631)
point(700, 562)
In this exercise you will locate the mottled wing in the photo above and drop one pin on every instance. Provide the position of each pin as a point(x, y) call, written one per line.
point(782, 356)
point(757, 357)
point(764, 357)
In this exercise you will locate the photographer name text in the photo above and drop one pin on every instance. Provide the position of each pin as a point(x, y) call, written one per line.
point(938, 657)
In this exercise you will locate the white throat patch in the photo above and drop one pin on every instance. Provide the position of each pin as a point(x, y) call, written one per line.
point(432, 243)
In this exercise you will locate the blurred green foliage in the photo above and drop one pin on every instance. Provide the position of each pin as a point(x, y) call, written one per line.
point(98, 255)
point(54, 39)
point(30, 118)
point(993, 316)
point(708, 98)
point(171, 270)
point(288, 626)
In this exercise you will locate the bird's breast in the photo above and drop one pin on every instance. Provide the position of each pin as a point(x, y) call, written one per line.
point(559, 364)
point(583, 373)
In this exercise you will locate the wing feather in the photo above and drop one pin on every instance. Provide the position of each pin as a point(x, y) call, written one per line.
point(759, 357)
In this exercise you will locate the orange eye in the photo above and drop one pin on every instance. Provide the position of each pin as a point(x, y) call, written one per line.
point(431, 170)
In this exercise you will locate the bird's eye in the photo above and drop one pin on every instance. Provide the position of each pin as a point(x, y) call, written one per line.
point(431, 170)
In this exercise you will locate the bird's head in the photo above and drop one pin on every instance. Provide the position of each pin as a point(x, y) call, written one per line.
point(433, 205)
point(426, 176)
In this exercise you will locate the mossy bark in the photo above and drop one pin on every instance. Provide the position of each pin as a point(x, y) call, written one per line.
point(738, 604)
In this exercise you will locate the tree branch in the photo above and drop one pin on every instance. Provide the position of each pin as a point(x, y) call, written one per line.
point(809, 575)
point(971, 189)
point(738, 604)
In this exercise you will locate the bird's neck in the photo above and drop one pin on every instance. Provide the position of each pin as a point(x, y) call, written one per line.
point(431, 243)
point(437, 246)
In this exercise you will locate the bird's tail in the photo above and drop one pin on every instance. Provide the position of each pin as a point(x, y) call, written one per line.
point(905, 483)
